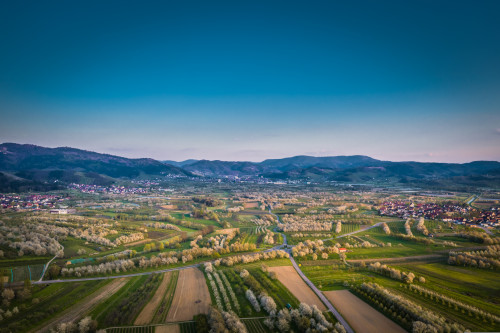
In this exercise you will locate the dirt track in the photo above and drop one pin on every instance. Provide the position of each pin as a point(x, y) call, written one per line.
point(147, 314)
point(191, 296)
point(81, 308)
point(361, 316)
point(289, 277)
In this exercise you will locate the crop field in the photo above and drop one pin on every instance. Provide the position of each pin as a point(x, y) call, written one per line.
point(164, 306)
point(22, 273)
point(360, 315)
point(85, 305)
point(289, 277)
point(52, 300)
point(330, 278)
point(125, 305)
point(470, 286)
point(191, 296)
point(73, 245)
point(178, 300)
point(103, 309)
point(478, 287)
point(139, 329)
point(148, 312)
point(172, 328)
point(347, 228)
point(281, 294)
point(255, 326)
point(187, 327)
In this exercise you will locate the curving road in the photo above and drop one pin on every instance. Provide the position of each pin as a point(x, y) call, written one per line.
point(312, 286)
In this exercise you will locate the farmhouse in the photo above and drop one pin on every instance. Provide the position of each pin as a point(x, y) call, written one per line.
point(342, 249)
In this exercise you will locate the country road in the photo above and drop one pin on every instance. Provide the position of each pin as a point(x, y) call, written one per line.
point(321, 296)
point(312, 286)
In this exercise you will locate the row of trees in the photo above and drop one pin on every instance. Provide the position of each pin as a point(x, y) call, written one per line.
point(311, 235)
point(224, 322)
point(230, 290)
point(173, 257)
point(408, 227)
point(421, 226)
point(395, 274)
point(167, 226)
point(305, 318)
point(481, 259)
point(405, 311)
point(268, 237)
point(479, 237)
point(457, 305)
point(123, 239)
point(316, 248)
point(85, 325)
point(338, 227)
point(248, 258)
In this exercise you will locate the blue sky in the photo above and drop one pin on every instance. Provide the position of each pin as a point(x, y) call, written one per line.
point(240, 80)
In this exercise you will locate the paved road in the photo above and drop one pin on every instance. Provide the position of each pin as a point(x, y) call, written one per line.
point(285, 242)
point(487, 230)
point(473, 199)
point(313, 287)
point(321, 296)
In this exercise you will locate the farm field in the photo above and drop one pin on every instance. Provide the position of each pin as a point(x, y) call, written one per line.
point(360, 315)
point(148, 312)
point(293, 282)
point(173, 328)
point(191, 296)
point(255, 326)
point(124, 306)
point(198, 269)
point(84, 306)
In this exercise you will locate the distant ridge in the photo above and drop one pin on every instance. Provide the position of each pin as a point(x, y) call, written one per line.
point(31, 166)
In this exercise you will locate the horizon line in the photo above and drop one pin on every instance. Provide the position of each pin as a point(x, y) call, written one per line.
point(248, 161)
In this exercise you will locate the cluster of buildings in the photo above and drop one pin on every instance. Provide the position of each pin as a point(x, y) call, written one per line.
point(107, 189)
point(449, 212)
point(30, 202)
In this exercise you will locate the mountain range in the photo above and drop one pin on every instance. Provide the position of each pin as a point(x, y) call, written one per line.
point(31, 167)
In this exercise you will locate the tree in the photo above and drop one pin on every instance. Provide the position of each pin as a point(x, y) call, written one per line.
point(54, 272)
point(8, 294)
point(201, 323)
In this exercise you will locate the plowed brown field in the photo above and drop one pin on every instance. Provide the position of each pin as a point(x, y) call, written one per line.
point(149, 310)
point(292, 280)
point(361, 316)
point(191, 296)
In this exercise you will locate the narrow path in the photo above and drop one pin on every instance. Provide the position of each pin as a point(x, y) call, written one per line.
point(488, 231)
point(47, 265)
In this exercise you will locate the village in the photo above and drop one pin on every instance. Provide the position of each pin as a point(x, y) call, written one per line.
point(458, 213)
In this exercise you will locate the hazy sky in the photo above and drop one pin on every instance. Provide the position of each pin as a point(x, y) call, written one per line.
point(250, 80)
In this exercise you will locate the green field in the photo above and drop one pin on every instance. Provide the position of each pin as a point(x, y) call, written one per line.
point(52, 299)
